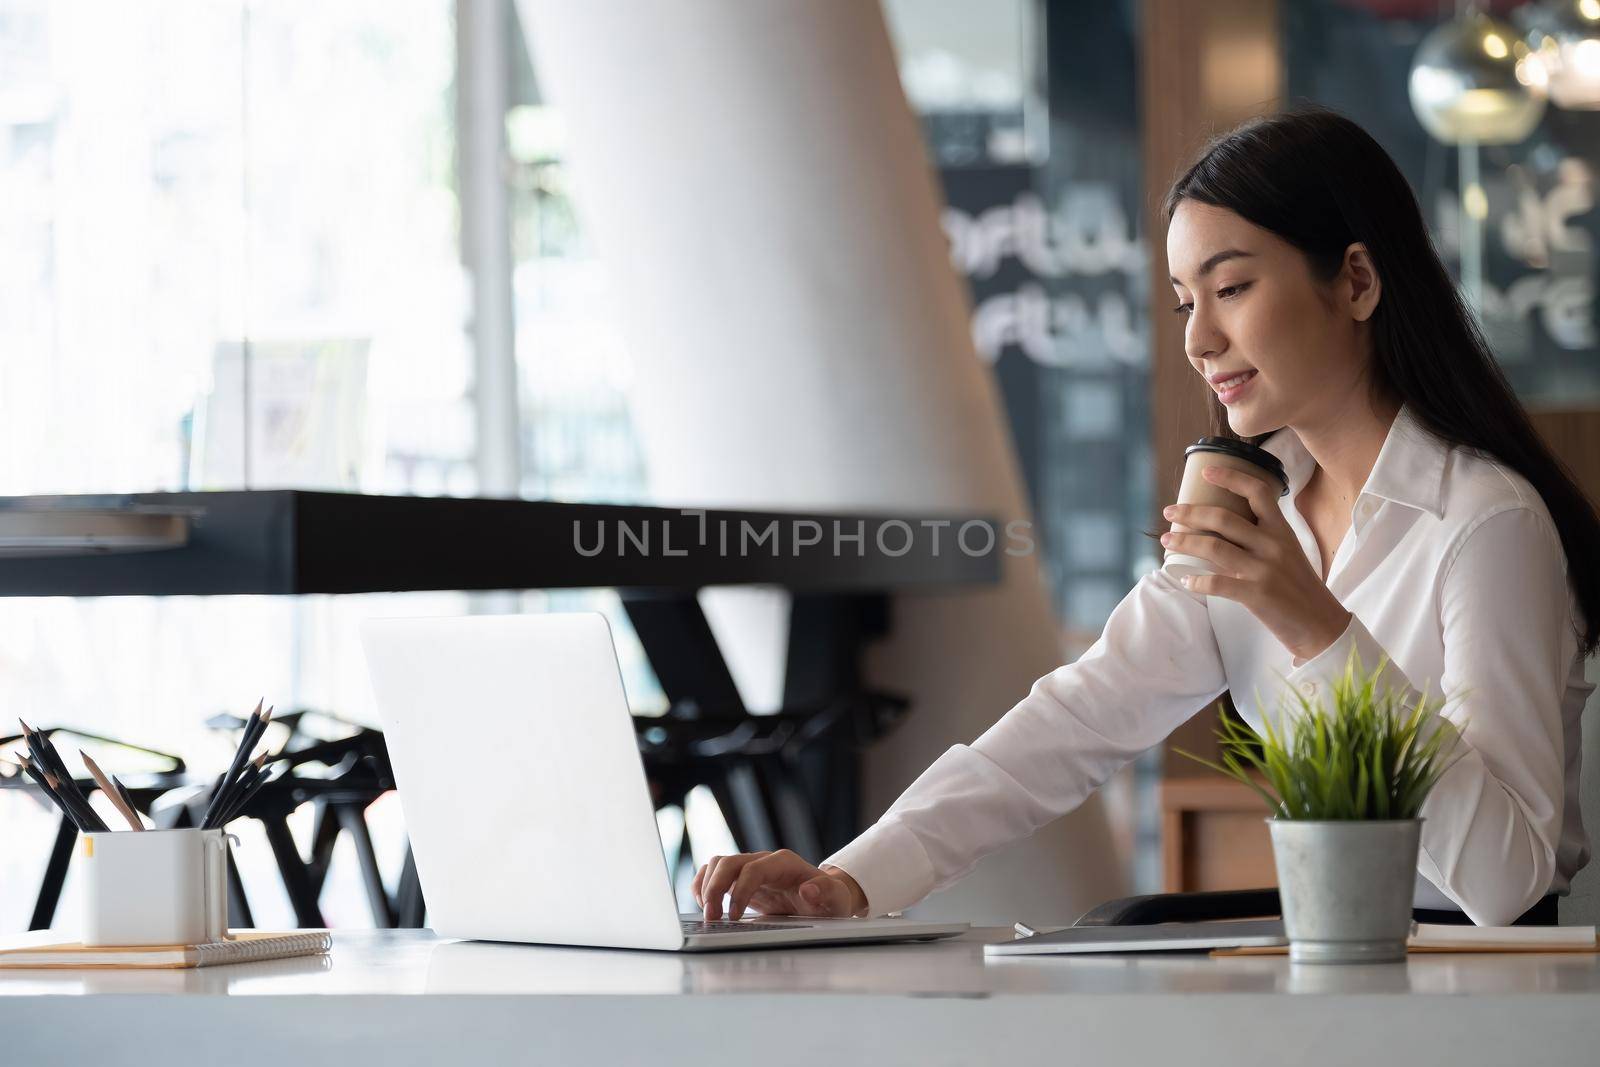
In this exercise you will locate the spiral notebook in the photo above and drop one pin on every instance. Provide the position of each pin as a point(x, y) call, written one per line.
point(247, 947)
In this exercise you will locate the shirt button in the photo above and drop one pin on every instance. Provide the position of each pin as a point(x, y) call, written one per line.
point(1308, 688)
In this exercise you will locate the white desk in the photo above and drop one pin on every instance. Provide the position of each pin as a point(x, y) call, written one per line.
point(406, 997)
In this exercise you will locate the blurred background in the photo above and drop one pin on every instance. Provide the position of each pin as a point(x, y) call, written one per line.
point(256, 244)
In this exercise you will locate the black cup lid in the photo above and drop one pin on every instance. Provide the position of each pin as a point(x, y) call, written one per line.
point(1246, 451)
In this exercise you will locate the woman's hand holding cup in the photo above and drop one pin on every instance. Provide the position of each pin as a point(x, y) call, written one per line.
point(1258, 564)
point(776, 883)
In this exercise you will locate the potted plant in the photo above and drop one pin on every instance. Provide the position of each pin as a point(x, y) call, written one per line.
point(1344, 786)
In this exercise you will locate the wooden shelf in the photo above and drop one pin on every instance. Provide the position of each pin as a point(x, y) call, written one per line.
point(1213, 836)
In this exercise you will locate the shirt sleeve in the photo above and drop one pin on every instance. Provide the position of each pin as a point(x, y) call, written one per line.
point(1155, 665)
point(1492, 822)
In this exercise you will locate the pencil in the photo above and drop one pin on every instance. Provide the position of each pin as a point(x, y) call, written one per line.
point(87, 819)
point(110, 791)
point(48, 762)
point(261, 728)
point(246, 779)
point(45, 752)
point(248, 794)
point(235, 767)
point(63, 781)
point(233, 789)
point(44, 787)
point(243, 788)
point(30, 765)
point(228, 800)
point(127, 798)
point(36, 749)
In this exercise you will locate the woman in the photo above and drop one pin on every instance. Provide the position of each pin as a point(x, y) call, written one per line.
point(1425, 522)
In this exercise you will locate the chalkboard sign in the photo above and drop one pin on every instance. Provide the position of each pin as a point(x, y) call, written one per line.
point(1058, 271)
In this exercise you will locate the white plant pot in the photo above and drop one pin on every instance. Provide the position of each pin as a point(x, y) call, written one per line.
point(1346, 887)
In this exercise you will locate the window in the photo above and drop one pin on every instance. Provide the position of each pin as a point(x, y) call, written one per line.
point(182, 184)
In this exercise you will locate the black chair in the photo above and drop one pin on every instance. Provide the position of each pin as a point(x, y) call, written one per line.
point(341, 777)
point(785, 780)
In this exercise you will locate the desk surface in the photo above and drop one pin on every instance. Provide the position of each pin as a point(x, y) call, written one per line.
point(414, 998)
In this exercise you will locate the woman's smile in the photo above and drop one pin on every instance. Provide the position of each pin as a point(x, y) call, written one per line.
point(1231, 389)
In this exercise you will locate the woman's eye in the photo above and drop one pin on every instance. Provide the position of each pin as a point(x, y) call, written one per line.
point(1225, 293)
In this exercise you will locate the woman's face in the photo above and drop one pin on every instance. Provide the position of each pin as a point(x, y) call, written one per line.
point(1253, 308)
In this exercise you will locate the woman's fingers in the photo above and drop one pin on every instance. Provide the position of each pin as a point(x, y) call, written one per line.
point(721, 873)
point(1261, 494)
point(771, 883)
point(825, 895)
point(1217, 585)
point(1208, 518)
point(771, 902)
point(779, 870)
point(700, 877)
point(1230, 558)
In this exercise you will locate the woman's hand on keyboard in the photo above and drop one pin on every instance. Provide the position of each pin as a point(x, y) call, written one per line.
point(776, 883)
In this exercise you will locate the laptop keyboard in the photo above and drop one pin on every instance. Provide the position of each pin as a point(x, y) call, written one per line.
point(701, 926)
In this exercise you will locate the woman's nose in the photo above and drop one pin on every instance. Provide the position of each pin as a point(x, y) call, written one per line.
point(1201, 338)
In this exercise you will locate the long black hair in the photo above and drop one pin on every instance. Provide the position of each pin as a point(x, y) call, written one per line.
point(1320, 182)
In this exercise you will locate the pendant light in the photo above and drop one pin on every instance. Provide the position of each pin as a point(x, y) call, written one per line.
point(1565, 35)
point(1475, 80)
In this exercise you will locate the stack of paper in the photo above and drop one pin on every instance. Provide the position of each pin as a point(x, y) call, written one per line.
point(1440, 937)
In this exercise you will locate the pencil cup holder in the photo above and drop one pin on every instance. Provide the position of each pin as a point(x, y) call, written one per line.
point(156, 887)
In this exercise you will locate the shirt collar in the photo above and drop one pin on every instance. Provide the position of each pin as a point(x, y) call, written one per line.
point(1409, 469)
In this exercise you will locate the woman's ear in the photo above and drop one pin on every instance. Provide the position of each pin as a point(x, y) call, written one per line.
point(1361, 274)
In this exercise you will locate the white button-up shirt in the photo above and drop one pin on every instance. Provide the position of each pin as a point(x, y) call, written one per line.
point(1451, 569)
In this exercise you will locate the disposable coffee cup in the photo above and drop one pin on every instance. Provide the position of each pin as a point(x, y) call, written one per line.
point(1219, 452)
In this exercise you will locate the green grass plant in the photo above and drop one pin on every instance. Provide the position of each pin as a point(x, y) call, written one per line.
point(1370, 757)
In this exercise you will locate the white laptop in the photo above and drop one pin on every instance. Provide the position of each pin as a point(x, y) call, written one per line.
point(525, 796)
